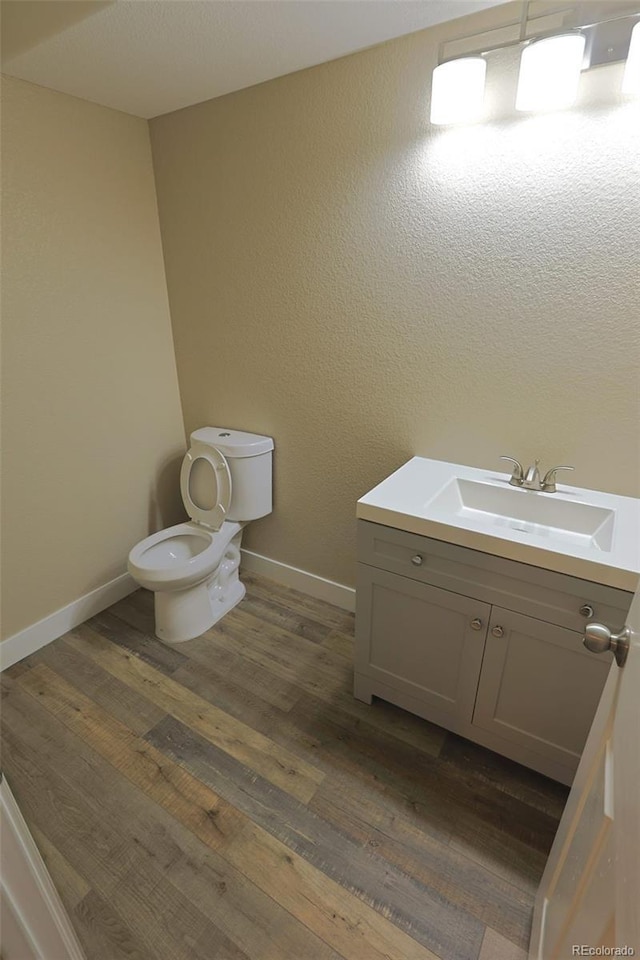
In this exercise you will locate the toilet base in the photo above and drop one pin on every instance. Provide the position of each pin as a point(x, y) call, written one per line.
point(186, 614)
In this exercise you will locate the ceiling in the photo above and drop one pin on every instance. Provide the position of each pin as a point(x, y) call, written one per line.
point(149, 57)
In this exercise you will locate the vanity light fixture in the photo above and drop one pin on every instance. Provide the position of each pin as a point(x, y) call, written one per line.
point(631, 79)
point(550, 63)
point(550, 72)
point(457, 93)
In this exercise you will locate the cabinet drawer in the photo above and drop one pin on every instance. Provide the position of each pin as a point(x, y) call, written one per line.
point(535, 592)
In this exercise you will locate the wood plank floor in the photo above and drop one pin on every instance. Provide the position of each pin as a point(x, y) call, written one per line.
point(228, 799)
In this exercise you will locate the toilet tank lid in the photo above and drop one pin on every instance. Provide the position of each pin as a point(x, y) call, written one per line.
point(233, 443)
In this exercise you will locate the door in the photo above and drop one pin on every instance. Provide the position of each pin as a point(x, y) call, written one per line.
point(35, 925)
point(422, 641)
point(539, 688)
point(589, 896)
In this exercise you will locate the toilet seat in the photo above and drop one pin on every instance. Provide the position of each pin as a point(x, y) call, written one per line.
point(214, 517)
point(156, 565)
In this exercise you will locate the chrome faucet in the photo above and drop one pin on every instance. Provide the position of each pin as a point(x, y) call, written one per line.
point(531, 479)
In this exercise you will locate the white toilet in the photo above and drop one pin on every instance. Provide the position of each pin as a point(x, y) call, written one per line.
point(192, 568)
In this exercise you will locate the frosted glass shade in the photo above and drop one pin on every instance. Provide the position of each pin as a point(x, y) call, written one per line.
point(457, 92)
point(550, 72)
point(631, 79)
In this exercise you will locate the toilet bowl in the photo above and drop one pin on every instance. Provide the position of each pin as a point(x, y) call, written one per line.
point(192, 568)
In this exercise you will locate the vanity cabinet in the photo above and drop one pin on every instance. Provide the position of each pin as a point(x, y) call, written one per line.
point(486, 647)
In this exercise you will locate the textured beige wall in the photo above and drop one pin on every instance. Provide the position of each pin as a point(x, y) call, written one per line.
point(365, 287)
point(91, 412)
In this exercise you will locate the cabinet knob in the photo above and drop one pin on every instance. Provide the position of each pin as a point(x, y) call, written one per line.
point(476, 624)
point(498, 631)
point(417, 560)
point(586, 610)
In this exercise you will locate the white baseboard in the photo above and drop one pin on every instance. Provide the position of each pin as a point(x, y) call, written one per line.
point(310, 583)
point(39, 634)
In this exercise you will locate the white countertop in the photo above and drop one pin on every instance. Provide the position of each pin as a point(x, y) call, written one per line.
point(412, 499)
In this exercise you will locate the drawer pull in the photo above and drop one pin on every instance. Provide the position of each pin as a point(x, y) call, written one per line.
point(476, 624)
point(586, 610)
point(417, 560)
point(498, 631)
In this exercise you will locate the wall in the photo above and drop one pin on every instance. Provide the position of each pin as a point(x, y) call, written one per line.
point(365, 287)
point(91, 413)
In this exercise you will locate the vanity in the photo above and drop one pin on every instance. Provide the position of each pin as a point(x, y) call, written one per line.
point(472, 600)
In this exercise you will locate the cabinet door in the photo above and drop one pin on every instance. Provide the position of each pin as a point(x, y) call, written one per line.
point(539, 687)
point(421, 641)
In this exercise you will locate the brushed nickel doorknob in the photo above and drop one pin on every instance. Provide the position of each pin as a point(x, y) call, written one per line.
point(476, 624)
point(417, 560)
point(599, 639)
point(498, 631)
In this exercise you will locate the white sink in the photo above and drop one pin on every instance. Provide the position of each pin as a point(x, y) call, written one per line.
point(583, 533)
point(526, 511)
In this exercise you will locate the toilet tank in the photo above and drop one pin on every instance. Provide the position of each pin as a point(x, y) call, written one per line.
point(249, 456)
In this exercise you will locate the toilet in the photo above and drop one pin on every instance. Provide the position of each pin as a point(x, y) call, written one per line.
point(192, 568)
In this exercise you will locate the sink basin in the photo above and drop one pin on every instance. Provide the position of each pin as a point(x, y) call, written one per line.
point(526, 511)
point(583, 533)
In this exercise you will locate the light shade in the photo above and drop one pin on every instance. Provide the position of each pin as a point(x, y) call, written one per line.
point(550, 72)
point(457, 92)
point(631, 79)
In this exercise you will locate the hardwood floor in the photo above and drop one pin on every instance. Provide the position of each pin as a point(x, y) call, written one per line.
point(228, 799)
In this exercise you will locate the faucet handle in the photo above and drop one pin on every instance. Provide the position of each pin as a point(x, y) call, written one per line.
point(517, 476)
point(549, 481)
